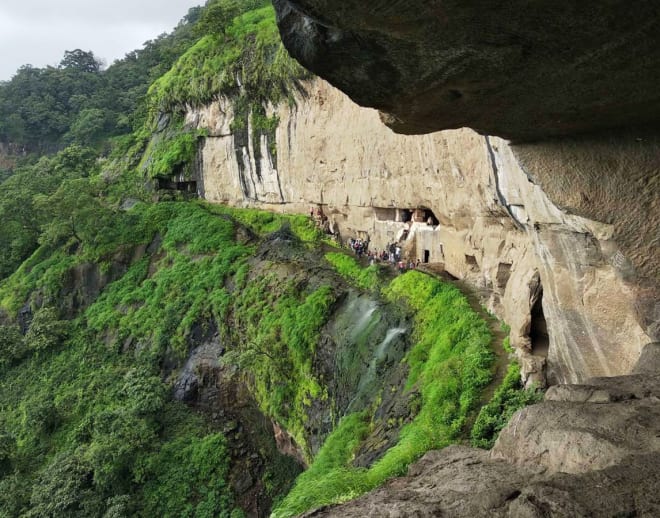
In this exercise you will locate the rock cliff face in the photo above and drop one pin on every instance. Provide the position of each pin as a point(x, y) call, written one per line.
point(514, 69)
point(575, 286)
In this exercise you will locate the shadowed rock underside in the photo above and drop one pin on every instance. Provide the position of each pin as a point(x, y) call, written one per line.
point(513, 69)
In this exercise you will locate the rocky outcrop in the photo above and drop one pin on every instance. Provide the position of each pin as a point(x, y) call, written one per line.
point(576, 288)
point(219, 391)
point(510, 69)
point(588, 450)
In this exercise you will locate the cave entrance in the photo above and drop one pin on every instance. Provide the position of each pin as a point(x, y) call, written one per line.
point(538, 332)
point(429, 218)
point(172, 185)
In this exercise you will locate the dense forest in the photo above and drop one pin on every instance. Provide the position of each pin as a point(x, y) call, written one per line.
point(108, 287)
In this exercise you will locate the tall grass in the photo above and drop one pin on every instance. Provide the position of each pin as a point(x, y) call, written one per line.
point(262, 222)
point(508, 398)
point(350, 269)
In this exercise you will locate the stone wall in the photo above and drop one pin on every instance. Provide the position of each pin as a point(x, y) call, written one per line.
point(537, 267)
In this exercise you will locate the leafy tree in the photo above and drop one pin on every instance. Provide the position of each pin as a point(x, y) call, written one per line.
point(46, 330)
point(188, 478)
point(81, 61)
point(12, 347)
point(89, 127)
point(21, 218)
point(73, 212)
point(65, 489)
point(217, 16)
point(7, 447)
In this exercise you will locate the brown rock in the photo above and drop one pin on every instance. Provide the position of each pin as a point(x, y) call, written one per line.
point(461, 482)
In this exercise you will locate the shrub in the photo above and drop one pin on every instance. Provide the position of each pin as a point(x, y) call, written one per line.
point(509, 397)
point(46, 330)
point(12, 347)
point(188, 477)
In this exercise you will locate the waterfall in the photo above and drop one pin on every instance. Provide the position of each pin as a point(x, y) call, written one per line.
point(389, 336)
point(379, 355)
point(365, 317)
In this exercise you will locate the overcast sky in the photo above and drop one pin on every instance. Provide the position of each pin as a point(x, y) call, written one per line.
point(37, 32)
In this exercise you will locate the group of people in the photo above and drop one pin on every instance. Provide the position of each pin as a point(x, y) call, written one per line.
point(359, 246)
point(392, 254)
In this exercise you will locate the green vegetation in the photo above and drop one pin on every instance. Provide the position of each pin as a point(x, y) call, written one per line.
point(242, 58)
point(263, 222)
point(94, 429)
point(188, 477)
point(330, 478)
point(509, 397)
point(174, 154)
point(278, 328)
point(449, 367)
point(43, 109)
point(239, 56)
point(161, 309)
point(349, 268)
point(87, 423)
point(103, 295)
point(24, 207)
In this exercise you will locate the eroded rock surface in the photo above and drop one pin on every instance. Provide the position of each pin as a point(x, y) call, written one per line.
point(513, 69)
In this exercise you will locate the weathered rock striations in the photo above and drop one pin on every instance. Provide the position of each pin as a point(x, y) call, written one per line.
point(575, 286)
point(513, 69)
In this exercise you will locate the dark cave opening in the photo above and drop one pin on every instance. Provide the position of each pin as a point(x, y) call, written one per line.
point(538, 333)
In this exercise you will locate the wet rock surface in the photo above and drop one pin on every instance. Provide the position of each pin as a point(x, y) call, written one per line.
point(358, 355)
point(513, 69)
point(219, 391)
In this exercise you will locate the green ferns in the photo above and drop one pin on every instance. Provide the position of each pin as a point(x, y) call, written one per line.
point(449, 367)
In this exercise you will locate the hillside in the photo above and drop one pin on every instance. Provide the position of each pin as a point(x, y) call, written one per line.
point(185, 329)
point(177, 358)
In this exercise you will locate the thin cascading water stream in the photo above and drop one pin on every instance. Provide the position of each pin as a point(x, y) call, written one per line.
point(365, 318)
point(379, 355)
